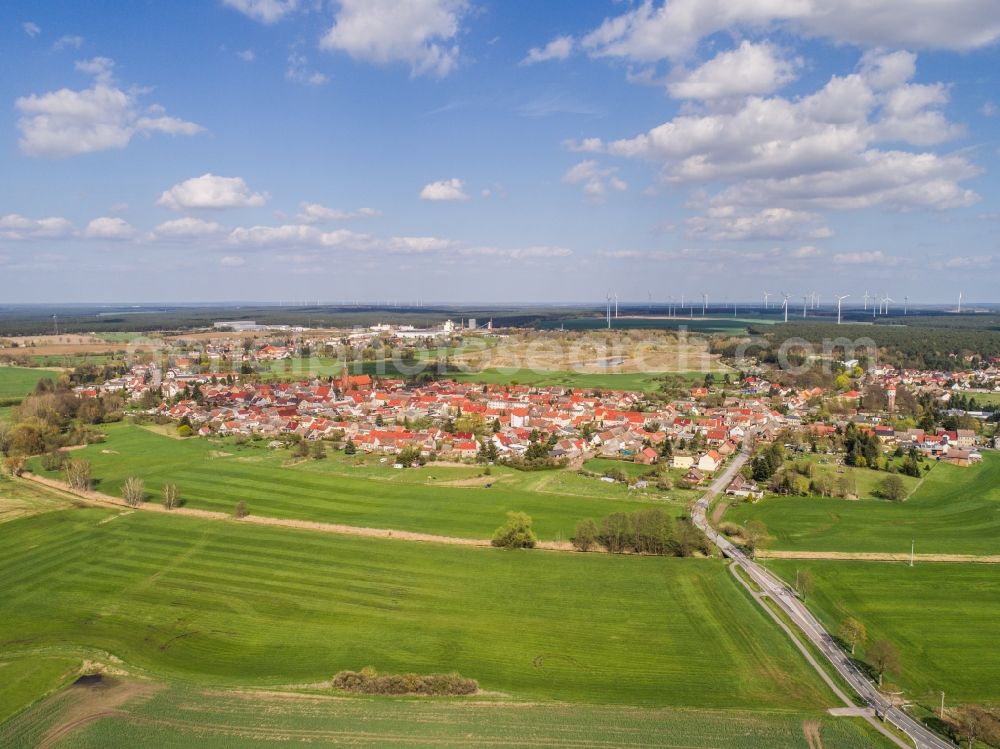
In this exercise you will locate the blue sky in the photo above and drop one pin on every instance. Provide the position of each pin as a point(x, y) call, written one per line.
point(466, 151)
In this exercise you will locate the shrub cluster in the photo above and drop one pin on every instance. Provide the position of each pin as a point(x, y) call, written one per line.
point(368, 681)
point(650, 531)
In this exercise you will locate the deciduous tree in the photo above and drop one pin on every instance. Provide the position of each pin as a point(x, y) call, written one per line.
point(853, 632)
point(516, 533)
point(883, 656)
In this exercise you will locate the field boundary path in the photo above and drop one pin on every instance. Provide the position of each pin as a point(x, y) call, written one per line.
point(105, 500)
point(809, 625)
point(878, 556)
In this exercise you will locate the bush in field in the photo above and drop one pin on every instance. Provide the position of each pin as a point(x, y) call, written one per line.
point(14, 465)
point(53, 460)
point(892, 488)
point(585, 536)
point(368, 681)
point(516, 533)
point(241, 509)
point(78, 474)
point(134, 491)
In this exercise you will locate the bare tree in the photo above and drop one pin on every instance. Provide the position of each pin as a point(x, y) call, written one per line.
point(170, 496)
point(241, 509)
point(976, 723)
point(14, 465)
point(78, 474)
point(755, 534)
point(883, 657)
point(134, 491)
point(853, 631)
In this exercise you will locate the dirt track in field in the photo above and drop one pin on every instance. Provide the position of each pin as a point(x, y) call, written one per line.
point(864, 556)
point(105, 500)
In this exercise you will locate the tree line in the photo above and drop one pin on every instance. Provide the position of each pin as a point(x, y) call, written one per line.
point(649, 531)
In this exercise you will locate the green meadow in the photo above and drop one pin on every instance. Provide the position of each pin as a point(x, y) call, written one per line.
point(215, 475)
point(178, 717)
point(225, 603)
point(942, 618)
point(17, 382)
point(954, 510)
point(638, 381)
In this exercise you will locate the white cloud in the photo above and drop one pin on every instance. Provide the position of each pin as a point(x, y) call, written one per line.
point(876, 257)
point(68, 123)
point(585, 145)
point(539, 252)
point(728, 223)
point(211, 191)
point(14, 226)
point(247, 55)
point(820, 150)
point(265, 11)
point(966, 262)
point(748, 69)
point(298, 235)
point(299, 71)
point(187, 228)
point(68, 42)
point(31, 28)
point(231, 261)
point(107, 227)
point(446, 189)
point(651, 32)
point(287, 235)
point(596, 180)
point(314, 213)
point(418, 32)
point(559, 48)
point(804, 252)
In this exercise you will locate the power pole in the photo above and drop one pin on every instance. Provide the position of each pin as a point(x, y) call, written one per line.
point(912, 542)
point(941, 714)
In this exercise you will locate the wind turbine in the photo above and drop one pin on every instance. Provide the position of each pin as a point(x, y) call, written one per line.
point(766, 295)
point(839, 300)
point(866, 300)
point(609, 309)
point(960, 302)
point(906, 302)
point(704, 303)
point(886, 301)
point(805, 301)
point(785, 304)
point(616, 305)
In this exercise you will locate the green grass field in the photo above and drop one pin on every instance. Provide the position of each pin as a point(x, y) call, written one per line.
point(942, 618)
point(955, 510)
point(17, 382)
point(19, 499)
point(178, 717)
point(714, 323)
point(215, 476)
point(637, 381)
point(220, 602)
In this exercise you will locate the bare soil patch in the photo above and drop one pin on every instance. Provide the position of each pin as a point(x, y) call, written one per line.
point(90, 698)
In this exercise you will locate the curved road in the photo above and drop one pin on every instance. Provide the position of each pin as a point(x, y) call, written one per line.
point(807, 623)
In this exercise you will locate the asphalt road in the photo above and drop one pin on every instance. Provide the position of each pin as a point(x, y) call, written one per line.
point(789, 602)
